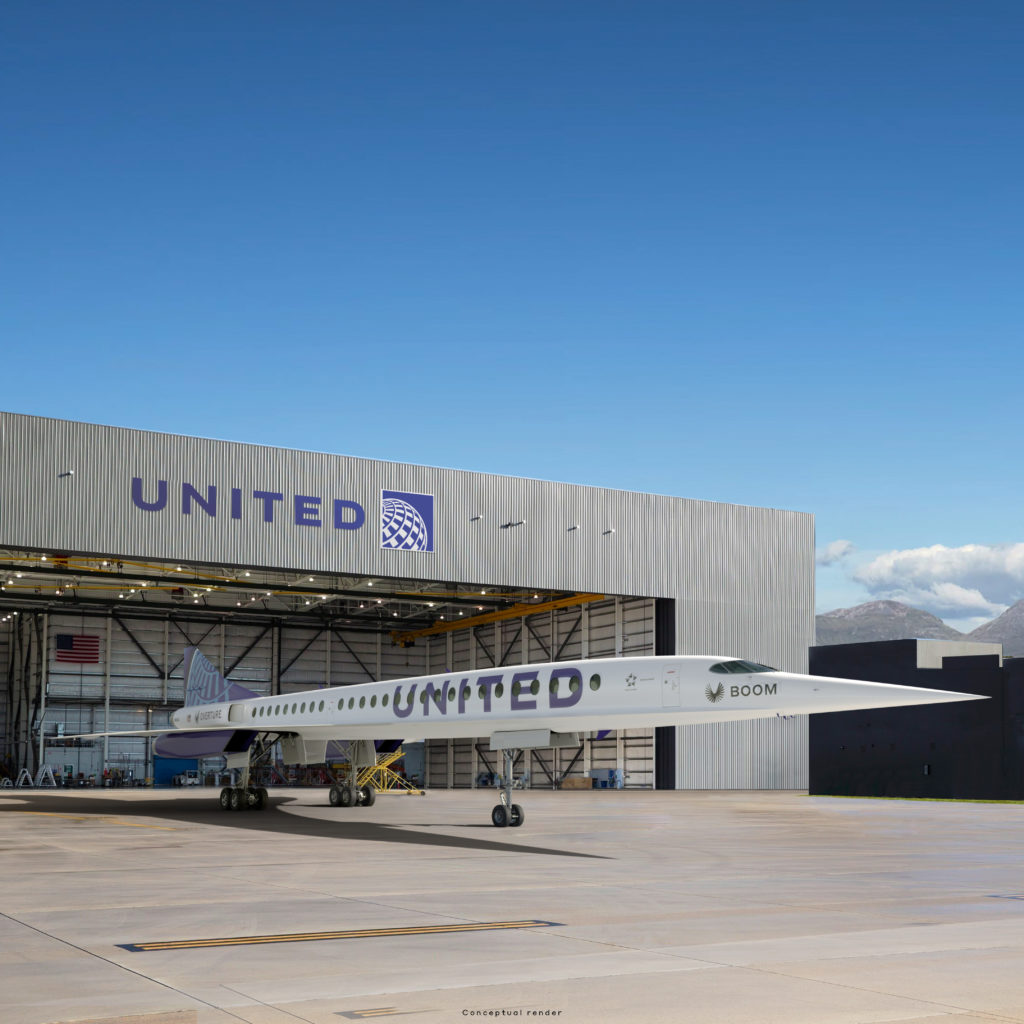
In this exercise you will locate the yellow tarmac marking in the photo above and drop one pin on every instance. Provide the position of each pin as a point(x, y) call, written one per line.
point(105, 820)
point(359, 933)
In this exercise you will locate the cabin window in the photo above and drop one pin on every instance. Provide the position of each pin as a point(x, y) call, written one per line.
point(254, 713)
point(362, 702)
point(384, 701)
point(535, 687)
point(553, 686)
point(517, 688)
point(295, 707)
point(480, 692)
point(595, 682)
point(321, 705)
point(303, 708)
point(574, 684)
point(451, 693)
point(499, 689)
point(341, 703)
point(351, 703)
point(423, 697)
point(373, 701)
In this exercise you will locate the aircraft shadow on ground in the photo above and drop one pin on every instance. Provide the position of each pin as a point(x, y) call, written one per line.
point(276, 819)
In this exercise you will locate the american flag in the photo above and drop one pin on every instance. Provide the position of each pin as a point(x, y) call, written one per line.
point(81, 649)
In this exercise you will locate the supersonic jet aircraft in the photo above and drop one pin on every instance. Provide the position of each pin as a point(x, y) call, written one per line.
point(519, 708)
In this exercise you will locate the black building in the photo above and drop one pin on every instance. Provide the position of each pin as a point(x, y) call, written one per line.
point(966, 750)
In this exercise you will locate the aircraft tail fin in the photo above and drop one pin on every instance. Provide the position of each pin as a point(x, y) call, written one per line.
point(205, 685)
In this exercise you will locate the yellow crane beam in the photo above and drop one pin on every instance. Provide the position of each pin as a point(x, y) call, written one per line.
point(517, 611)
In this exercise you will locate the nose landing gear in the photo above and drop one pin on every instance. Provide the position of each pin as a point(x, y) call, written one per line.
point(507, 813)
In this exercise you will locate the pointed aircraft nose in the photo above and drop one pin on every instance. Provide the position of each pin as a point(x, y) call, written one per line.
point(829, 693)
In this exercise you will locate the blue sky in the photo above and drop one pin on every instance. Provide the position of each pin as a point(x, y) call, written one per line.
point(766, 253)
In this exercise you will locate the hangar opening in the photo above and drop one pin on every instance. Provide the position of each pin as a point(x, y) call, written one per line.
point(295, 570)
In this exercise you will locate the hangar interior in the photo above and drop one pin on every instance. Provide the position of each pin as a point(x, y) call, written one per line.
point(277, 633)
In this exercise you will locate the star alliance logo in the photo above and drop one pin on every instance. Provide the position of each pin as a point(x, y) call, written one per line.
point(631, 681)
point(716, 694)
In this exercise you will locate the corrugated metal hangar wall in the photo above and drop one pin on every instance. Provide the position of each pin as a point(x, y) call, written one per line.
point(313, 529)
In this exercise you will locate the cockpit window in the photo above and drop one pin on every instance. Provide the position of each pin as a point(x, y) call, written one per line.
point(745, 668)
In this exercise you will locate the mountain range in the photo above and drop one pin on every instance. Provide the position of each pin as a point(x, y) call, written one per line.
point(891, 620)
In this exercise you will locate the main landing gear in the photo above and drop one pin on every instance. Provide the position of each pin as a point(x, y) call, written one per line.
point(243, 798)
point(362, 754)
point(352, 796)
point(507, 813)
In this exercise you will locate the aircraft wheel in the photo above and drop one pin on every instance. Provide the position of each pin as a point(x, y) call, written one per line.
point(516, 817)
point(367, 795)
point(346, 796)
point(334, 796)
point(499, 816)
point(237, 799)
point(264, 797)
point(252, 799)
point(225, 799)
point(259, 798)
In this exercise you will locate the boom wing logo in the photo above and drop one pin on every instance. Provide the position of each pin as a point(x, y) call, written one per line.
point(406, 521)
point(716, 694)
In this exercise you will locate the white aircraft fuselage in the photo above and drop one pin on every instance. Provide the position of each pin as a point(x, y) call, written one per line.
point(521, 707)
point(592, 694)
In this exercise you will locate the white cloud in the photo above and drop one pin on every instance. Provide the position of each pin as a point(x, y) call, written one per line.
point(973, 580)
point(834, 552)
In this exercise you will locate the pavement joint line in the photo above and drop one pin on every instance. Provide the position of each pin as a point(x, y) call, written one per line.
point(123, 967)
point(359, 933)
point(948, 1007)
point(945, 1007)
point(985, 1014)
point(269, 1006)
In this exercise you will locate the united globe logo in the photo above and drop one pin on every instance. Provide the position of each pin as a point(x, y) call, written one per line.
point(406, 521)
point(402, 527)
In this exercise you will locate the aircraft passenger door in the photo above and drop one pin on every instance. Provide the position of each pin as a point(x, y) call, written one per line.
point(671, 695)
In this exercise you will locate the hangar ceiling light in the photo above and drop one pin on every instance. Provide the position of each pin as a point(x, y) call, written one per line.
point(90, 584)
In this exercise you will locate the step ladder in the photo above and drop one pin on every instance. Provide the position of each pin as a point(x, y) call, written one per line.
point(44, 777)
point(384, 779)
point(24, 779)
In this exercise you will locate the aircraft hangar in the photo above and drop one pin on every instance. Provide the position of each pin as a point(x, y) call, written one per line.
point(294, 569)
